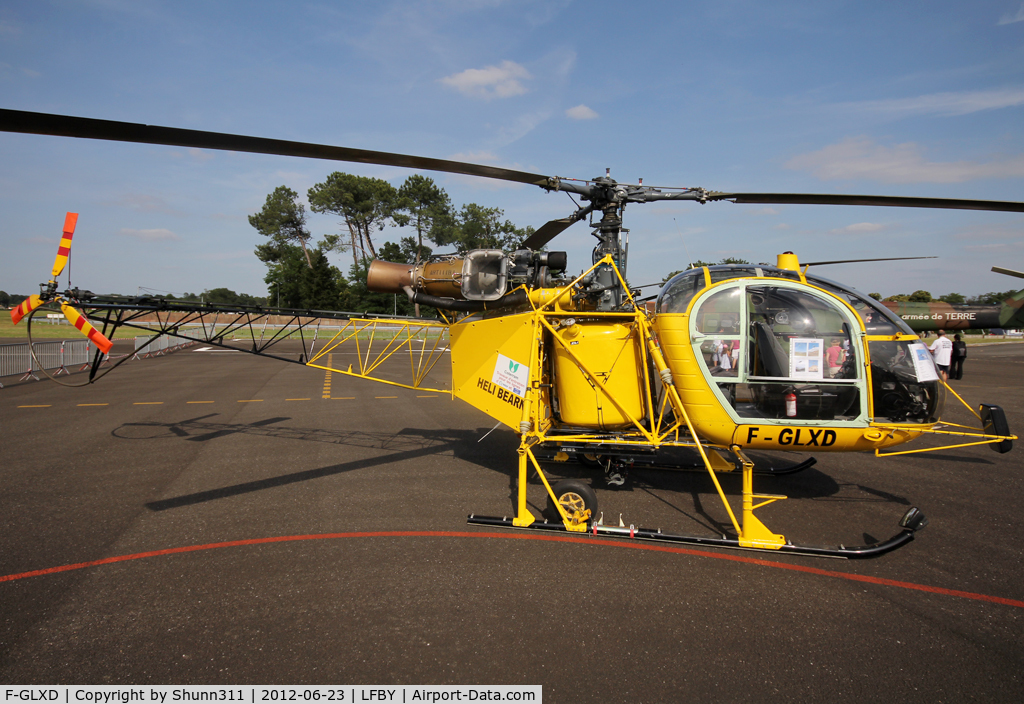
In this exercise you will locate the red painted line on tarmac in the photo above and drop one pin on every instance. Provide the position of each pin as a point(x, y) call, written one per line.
point(512, 536)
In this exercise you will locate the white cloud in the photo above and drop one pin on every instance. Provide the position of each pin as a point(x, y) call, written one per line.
point(487, 159)
point(490, 82)
point(858, 228)
point(993, 232)
point(475, 157)
point(581, 112)
point(200, 154)
point(996, 248)
point(562, 64)
point(962, 103)
point(194, 154)
point(520, 127)
point(860, 158)
point(1010, 19)
point(245, 254)
point(145, 203)
point(149, 235)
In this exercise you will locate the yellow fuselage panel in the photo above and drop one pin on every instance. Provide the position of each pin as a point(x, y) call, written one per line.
point(713, 422)
point(491, 364)
point(817, 438)
point(704, 408)
point(610, 353)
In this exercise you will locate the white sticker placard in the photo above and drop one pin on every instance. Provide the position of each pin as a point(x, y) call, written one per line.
point(924, 363)
point(806, 356)
point(511, 375)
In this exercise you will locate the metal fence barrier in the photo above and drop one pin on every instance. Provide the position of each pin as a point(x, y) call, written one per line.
point(67, 356)
point(148, 346)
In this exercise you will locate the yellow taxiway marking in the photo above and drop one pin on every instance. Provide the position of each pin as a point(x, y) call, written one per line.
point(41, 406)
point(342, 398)
point(94, 404)
point(296, 399)
point(327, 377)
point(198, 401)
point(250, 400)
point(434, 396)
point(385, 397)
point(148, 403)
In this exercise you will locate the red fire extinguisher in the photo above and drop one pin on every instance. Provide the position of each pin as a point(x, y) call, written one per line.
point(790, 404)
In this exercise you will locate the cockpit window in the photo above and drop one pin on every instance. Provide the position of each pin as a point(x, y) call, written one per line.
point(878, 320)
point(904, 383)
point(679, 291)
point(792, 355)
point(720, 313)
point(797, 335)
point(676, 295)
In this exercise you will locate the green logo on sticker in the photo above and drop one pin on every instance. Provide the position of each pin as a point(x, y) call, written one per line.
point(513, 366)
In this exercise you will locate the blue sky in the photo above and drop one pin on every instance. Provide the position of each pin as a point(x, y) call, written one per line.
point(911, 98)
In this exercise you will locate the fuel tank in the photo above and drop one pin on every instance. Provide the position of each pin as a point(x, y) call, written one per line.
point(610, 352)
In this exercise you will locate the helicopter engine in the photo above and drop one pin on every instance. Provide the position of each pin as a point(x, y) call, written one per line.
point(472, 281)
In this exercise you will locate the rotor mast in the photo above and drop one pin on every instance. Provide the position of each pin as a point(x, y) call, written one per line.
point(602, 287)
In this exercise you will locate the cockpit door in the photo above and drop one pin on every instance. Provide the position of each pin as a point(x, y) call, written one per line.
point(781, 352)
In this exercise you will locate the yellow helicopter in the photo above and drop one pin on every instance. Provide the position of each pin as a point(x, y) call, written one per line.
point(729, 358)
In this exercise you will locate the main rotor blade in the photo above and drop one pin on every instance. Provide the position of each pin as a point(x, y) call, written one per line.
point(1008, 272)
point(892, 201)
point(547, 232)
point(88, 128)
point(857, 261)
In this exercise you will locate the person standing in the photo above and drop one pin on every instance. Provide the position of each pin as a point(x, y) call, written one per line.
point(959, 354)
point(834, 357)
point(942, 351)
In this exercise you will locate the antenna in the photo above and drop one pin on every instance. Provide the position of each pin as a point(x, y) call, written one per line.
point(683, 240)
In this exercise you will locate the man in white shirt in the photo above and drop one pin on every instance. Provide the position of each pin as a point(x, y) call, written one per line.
point(942, 351)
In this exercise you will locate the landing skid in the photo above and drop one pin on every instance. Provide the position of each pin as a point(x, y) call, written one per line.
point(633, 533)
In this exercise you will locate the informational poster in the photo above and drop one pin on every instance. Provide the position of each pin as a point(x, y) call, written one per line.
point(806, 358)
point(511, 375)
point(924, 364)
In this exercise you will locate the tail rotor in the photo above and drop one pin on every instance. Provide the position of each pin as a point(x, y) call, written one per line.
point(49, 293)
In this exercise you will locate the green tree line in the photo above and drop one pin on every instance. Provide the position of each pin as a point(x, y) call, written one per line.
point(921, 296)
point(299, 274)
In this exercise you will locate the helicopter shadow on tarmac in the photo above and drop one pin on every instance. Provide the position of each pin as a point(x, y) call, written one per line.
point(407, 444)
point(496, 454)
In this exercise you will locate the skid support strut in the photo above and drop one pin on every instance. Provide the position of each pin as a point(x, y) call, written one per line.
point(524, 517)
point(755, 534)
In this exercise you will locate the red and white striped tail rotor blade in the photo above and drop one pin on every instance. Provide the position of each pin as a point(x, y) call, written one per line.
point(79, 321)
point(26, 307)
point(65, 244)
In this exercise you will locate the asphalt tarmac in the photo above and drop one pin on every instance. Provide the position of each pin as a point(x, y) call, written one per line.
point(250, 521)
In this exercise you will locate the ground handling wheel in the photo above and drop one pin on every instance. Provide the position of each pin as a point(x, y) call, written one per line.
point(577, 500)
